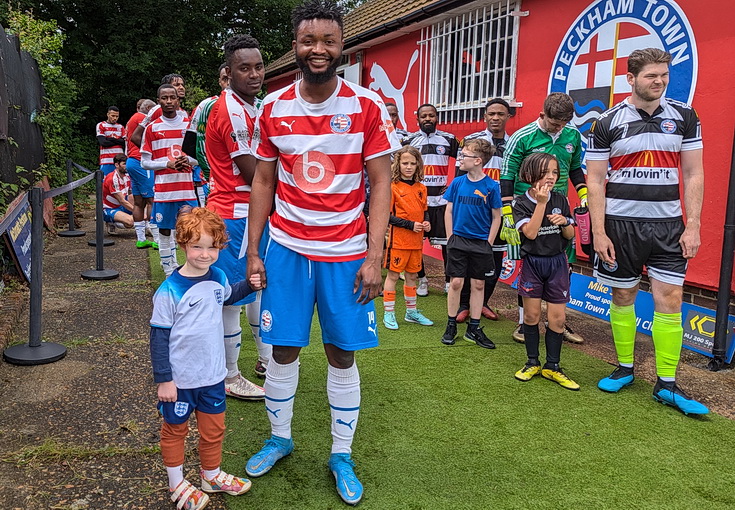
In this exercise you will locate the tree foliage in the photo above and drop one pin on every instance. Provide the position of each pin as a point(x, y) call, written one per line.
point(118, 50)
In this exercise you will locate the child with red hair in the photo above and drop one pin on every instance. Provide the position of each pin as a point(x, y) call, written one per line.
point(188, 357)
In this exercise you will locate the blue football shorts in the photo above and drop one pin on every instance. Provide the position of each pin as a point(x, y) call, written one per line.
point(164, 214)
point(208, 399)
point(232, 259)
point(141, 180)
point(109, 214)
point(295, 284)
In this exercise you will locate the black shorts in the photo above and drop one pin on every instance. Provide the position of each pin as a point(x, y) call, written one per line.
point(469, 258)
point(436, 218)
point(637, 244)
point(545, 278)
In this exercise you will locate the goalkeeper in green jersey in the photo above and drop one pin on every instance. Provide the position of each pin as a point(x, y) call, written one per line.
point(550, 133)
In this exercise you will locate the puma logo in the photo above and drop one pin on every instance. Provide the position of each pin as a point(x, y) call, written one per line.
point(274, 413)
point(289, 126)
point(238, 115)
point(373, 330)
point(381, 82)
point(341, 422)
point(479, 194)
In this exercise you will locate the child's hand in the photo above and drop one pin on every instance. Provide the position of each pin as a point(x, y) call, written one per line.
point(167, 391)
point(427, 226)
point(543, 192)
point(418, 227)
point(557, 219)
point(256, 282)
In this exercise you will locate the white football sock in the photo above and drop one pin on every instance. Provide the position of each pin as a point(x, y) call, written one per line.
point(252, 310)
point(343, 390)
point(139, 230)
point(233, 338)
point(280, 386)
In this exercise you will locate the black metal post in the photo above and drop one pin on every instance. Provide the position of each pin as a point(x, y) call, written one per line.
point(99, 218)
point(35, 352)
point(726, 267)
point(71, 231)
point(100, 273)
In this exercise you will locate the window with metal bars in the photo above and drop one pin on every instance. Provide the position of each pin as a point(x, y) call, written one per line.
point(469, 59)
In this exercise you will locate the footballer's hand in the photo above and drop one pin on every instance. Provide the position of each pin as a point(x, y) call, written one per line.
point(370, 277)
point(256, 270)
point(689, 242)
point(604, 248)
point(508, 232)
point(418, 227)
point(427, 226)
point(255, 281)
point(167, 391)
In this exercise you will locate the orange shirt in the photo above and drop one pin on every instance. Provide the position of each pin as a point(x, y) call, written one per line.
point(408, 202)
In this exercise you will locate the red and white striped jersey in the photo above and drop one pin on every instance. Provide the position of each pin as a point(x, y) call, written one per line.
point(114, 183)
point(133, 150)
point(104, 128)
point(230, 129)
point(644, 152)
point(162, 140)
point(321, 150)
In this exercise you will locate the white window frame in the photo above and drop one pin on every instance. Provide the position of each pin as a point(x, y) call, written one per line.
point(490, 33)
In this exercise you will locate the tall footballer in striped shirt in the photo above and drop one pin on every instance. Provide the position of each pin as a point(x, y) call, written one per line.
point(315, 136)
point(637, 216)
point(174, 188)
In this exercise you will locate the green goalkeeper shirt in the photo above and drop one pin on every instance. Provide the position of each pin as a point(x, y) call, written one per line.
point(565, 145)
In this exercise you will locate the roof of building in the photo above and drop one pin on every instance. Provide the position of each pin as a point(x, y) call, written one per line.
point(371, 20)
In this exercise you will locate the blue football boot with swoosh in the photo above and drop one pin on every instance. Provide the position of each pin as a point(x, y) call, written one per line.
point(349, 487)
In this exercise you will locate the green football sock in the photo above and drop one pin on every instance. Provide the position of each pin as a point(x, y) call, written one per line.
point(667, 334)
point(622, 320)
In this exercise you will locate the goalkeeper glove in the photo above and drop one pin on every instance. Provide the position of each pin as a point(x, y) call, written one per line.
point(508, 232)
point(582, 193)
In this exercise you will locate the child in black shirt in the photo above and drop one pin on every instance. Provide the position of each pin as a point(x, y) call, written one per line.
point(543, 219)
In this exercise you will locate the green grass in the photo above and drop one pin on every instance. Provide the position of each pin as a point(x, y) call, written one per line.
point(450, 428)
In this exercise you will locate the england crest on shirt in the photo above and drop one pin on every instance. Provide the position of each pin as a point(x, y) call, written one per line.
point(218, 296)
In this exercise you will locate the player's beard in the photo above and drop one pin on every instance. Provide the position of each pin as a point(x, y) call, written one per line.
point(647, 95)
point(428, 127)
point(317, 78)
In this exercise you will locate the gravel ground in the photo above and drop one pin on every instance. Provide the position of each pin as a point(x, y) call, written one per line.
point(82, 433)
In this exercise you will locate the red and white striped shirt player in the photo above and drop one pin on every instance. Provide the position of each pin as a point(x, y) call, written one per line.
point(320, 150)
point(162, 141)
point(116, 130)
point(230, 128)
point(114, 183)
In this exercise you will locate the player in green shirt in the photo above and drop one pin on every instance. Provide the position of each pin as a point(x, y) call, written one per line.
point(552, 134)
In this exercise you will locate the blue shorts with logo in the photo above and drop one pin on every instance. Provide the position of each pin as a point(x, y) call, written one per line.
point(546, 278)
point(164, 214)
point(141, 180)
point(295, 284)
point(107, 169)
point(109, 214)
point(232, 259)
point(208, 399)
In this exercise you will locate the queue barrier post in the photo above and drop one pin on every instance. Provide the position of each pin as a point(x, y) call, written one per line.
point(71, 231)
point(99, 273)
point(35, 352)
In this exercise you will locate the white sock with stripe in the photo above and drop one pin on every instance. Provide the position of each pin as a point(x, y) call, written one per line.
point(343, 390)
point(280, 386)
point(164, 251)
point(233, 338)
point(155, 232)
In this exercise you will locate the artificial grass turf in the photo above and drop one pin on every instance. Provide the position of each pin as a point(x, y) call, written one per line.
point(449, 427)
